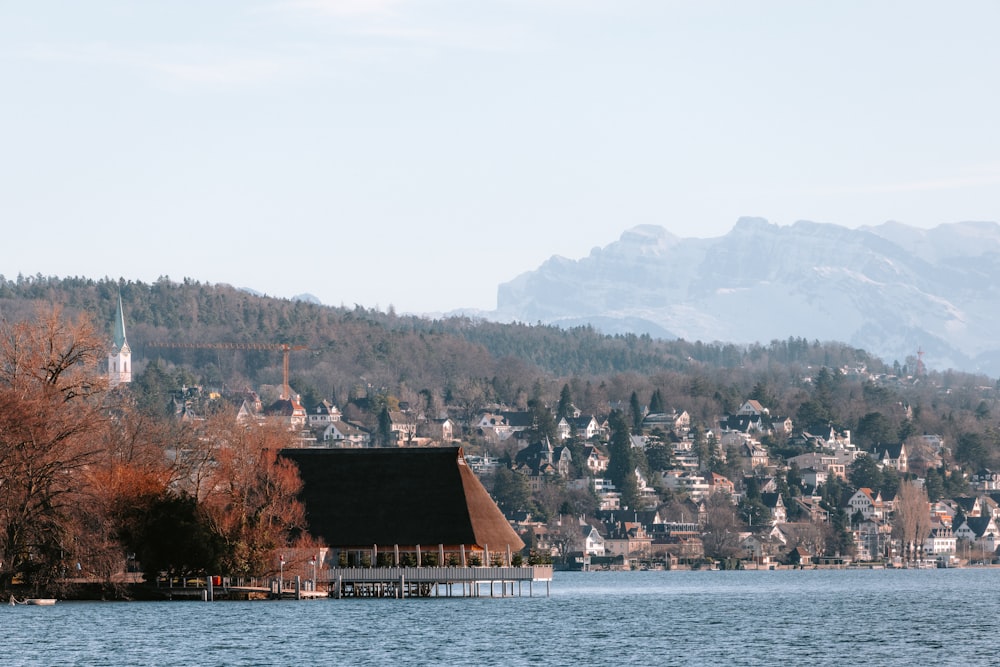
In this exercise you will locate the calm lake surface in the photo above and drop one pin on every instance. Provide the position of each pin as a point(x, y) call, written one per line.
point(810, 617)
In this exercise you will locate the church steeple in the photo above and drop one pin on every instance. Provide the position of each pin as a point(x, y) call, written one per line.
point(120, 356)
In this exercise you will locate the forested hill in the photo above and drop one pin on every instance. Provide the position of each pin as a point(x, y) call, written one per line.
point(349, 348)
point(370, 342)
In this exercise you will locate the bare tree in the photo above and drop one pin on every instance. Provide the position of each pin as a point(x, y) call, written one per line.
point(721, 536)
point(911, 518)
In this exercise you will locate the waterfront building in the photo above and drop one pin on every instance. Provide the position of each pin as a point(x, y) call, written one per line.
point(385, 506)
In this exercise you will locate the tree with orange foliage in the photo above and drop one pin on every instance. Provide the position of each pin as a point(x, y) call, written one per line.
point(251, 501)
point(51, 386)
point(128, 482)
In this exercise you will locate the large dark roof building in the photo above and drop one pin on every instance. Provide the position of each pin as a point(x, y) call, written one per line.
point(359, 498)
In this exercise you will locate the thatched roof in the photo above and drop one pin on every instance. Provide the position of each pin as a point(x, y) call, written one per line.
point(426, 496)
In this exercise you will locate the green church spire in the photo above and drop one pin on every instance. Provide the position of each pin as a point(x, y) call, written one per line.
point(121, 342)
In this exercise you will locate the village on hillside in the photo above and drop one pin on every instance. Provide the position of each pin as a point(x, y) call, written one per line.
point(646, 487)
point(693, 496)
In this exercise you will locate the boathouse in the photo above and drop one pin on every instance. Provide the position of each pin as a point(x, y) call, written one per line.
point(408, 522)
point(414, 506)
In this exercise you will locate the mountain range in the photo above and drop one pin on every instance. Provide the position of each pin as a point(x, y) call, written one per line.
point(893, 290)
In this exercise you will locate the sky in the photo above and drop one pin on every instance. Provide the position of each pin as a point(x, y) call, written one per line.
point(415, 154)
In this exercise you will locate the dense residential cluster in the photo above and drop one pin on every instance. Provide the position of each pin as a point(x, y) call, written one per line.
point(646, 487)
point(723, 494)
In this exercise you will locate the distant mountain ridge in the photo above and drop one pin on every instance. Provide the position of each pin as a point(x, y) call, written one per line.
point(889, 289)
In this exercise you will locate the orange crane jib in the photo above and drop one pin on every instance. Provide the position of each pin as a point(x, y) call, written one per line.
point(284, 347)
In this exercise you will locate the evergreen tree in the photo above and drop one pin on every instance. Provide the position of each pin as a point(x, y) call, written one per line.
point(934, 485)
point(865, 473)
point(622, 462)
point(636, 411)
point(152, 390)
point(510, 491)
point(542, 424)
point(753, 512)
point(565, 403)
point(660, 455)
point(656, 404)
point(384, 432)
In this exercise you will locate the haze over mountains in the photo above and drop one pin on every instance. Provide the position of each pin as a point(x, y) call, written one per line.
point(890, 289)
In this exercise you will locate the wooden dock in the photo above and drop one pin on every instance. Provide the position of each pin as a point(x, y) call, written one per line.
point(407, 582)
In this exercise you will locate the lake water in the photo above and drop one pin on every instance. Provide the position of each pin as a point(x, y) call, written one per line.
point(809, 617)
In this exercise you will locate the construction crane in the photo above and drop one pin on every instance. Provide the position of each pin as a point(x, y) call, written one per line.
point(286, 391)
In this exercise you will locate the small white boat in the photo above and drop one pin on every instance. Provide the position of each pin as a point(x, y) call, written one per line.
point(41, 602)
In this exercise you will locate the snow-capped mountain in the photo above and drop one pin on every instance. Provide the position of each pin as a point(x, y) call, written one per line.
point(890, 289)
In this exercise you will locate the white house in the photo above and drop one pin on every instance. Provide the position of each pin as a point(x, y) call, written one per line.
point(867, 502)
point(593, 542)
point(344, 434)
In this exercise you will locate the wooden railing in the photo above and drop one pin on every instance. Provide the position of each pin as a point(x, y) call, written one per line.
point(439, 574)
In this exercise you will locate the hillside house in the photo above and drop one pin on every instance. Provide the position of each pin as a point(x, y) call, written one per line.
point(970, 506)
point(679, 481)
point(584, 427)
point(287, 411)
point(893, 456)
point(541, 458)
point(941, 542)
point(595, 460)
point(867, 502)
point(720, 484)
point(438, 430)
point(628, 539)
point(345, 434)
point(811, 508)
point(753, 456)
point(608, 496)
point(813, 478)
point(775, 507)
point(403, 427)
point(484, 465)
point(981, 530)
point(250, 412)
point(324, 413)
point(667, 421)
point(832, 463)
point(752, 408)
point(985, 480)
point(647, 494)
point(499, 426)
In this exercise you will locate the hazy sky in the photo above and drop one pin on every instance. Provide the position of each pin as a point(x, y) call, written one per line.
point(418, 153)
